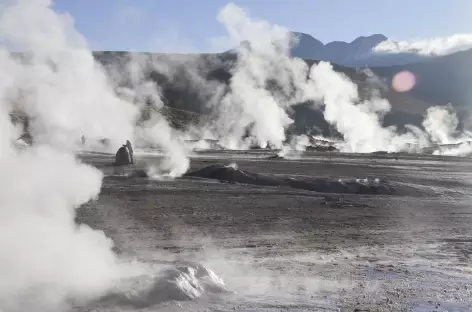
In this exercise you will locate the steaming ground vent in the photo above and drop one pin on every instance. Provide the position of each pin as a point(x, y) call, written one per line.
point(233, 174)
point(184, 282)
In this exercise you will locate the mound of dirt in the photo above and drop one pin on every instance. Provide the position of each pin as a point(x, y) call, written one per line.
point(342, 187)
point(276, 157)
point(234, 175)
point(339, 186)
point(322, 148)
point(186, 281)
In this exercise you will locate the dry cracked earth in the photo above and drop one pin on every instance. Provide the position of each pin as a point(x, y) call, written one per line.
point(280, 247)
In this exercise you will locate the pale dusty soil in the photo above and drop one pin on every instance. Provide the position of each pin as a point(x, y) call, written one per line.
point(282, 248)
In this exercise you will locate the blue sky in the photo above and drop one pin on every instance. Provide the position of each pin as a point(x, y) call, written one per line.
point(189, 25)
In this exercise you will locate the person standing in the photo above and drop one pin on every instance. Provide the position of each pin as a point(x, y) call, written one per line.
point(122, 157)
point(130, 150)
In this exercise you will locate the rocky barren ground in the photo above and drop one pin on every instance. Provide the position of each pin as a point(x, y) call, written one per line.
point(279, 247)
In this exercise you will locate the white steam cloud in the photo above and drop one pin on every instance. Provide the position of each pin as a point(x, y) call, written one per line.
point(56, 80)
point(153, 128)
point(441, 124)
point(67, 94)
point(47, 262)
point(45, 258)
point(428, 47)
point(267, 83)
point(359, 122)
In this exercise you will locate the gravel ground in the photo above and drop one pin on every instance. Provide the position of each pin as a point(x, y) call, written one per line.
point(287, 249)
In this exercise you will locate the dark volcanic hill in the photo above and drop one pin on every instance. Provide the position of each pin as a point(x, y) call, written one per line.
point(442, 80)
point(439, 79)
point(188, 83)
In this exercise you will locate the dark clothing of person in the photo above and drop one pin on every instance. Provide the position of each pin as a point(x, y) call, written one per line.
point(130, 150)
point(122, 157)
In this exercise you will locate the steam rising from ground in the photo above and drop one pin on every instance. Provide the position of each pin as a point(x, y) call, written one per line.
point(250, 106)
point(152, 128)
point(67, 94)
point(360, 121)
point(57, 81)
point(256, 108)
point(46, 259)
point(441, 123)
point(267, 83)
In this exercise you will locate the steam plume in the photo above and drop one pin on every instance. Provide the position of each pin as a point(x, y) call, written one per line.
point(441, 124)
point(46, 260)
point(153, 128)
point(57, 81)
point(262, 83)
point(267, 83)
point(358, 121)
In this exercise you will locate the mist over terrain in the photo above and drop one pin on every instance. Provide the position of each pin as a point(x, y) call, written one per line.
point(196, 95)
point(194, 82)
point(66, 110)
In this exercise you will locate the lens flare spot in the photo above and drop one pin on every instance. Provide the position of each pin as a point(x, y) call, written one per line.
point(403, 81)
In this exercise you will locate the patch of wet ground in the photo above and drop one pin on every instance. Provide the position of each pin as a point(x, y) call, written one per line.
point(285, 248)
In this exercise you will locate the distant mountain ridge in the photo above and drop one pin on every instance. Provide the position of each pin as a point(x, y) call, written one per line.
point(358, 53)
point(361, 52)
point(338, 52)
